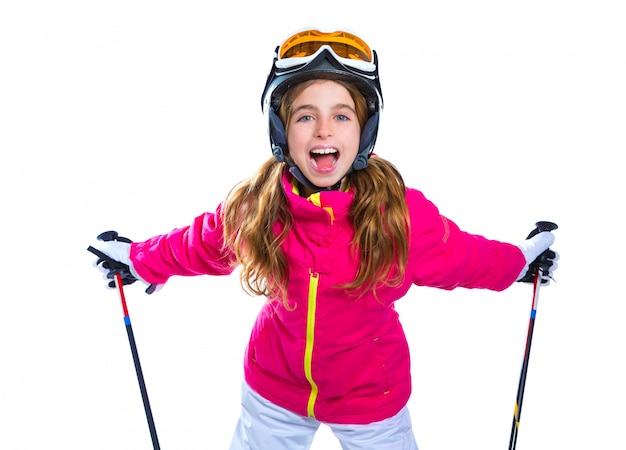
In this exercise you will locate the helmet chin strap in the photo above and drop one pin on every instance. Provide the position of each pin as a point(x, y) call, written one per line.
point(298, 175)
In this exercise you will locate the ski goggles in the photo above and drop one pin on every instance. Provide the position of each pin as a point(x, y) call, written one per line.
point(305, 45)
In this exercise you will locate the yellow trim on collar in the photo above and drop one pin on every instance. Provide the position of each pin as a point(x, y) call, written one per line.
point(316, 198)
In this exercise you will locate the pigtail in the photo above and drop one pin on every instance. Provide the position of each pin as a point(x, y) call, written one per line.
point(381, 219)
point(252, 212)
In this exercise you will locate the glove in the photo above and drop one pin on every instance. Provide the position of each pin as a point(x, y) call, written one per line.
point(113, 254)
point(113, 259)
point(540, 257)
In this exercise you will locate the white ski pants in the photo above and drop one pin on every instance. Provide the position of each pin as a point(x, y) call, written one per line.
point(266, 426)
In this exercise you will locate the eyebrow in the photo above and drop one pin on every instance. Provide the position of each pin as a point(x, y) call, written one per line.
point(337, 106)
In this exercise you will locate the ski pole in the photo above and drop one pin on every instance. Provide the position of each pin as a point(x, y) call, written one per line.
point(133, 348)
point(110, 236)
point(541, 226)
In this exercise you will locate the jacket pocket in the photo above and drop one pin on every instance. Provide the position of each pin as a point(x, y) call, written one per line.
point(268, 353)
point(360, 371)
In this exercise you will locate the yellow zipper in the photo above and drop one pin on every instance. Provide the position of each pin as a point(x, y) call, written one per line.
point(310, 335)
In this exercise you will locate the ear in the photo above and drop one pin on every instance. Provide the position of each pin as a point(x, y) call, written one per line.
point(368, 137)
point(277, 136)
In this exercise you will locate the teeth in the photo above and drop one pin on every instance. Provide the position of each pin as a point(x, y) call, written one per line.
point(324, 151)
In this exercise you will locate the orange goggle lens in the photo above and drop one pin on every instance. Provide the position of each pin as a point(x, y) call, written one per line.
point(344, 44)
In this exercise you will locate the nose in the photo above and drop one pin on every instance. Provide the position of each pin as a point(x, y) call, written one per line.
point(323, 128)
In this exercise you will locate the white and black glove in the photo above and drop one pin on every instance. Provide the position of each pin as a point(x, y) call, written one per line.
point(113, 252)
point(539, 257)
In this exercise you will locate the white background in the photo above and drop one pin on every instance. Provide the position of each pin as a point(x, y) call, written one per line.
point(137, 116)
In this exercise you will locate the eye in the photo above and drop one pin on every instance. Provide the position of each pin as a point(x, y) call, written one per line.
point(342, 117)
point(304, 118)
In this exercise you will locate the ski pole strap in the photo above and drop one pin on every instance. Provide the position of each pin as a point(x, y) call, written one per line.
point(541, 264)
point(114, 267)
point(544, 261)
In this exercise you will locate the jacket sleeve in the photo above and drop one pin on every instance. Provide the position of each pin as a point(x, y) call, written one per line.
point(196, 249)
point(443, 256)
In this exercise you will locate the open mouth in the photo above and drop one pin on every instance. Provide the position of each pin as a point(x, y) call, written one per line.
point(324, 158)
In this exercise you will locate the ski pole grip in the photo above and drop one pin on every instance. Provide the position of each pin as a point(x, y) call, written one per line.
point(108, 236)
point(112, 236)
point(542, 226)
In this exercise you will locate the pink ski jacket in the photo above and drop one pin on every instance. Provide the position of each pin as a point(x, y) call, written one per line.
point(333, 357)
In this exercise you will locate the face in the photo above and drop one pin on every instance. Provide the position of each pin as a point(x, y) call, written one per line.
point(323, 132)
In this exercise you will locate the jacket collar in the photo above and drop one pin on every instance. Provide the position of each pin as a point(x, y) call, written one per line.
point(321, 206)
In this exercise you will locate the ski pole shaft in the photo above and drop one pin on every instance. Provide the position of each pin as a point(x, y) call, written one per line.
point(522, 381)
point(133, 348)
point(541, 226)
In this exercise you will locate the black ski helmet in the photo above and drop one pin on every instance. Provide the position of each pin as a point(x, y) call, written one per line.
point(314, 54)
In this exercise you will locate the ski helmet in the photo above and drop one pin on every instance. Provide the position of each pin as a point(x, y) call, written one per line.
point(313, 54)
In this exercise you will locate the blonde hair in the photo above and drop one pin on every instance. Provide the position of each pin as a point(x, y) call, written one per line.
point(257, 220)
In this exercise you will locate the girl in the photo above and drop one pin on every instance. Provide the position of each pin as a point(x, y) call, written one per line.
point(332, 237)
